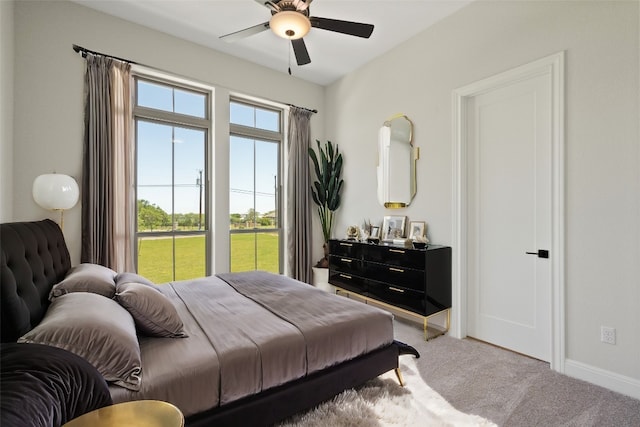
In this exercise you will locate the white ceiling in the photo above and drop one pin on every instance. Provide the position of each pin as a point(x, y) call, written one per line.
point(332, 55)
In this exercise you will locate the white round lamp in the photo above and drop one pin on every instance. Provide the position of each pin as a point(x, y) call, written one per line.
point(290, 24)
point(56, 192)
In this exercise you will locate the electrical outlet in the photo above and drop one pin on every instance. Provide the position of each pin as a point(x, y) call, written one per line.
point(608, 335)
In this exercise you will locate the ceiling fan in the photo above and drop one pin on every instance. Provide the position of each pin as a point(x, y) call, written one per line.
point(290, 20)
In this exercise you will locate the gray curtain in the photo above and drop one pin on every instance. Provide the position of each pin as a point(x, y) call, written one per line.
point(108, 203)
point(298, 196)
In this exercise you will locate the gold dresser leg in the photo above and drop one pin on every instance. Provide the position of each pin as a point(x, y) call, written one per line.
point(426, 336)
point(399, 375)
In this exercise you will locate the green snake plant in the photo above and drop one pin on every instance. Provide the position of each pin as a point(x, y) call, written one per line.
point(325, 190)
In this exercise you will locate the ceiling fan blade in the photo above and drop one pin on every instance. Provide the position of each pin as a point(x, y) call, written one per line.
point(345, 27)
point(300, 49)
point(231, 37)
point(269, 4)
point(302, 4)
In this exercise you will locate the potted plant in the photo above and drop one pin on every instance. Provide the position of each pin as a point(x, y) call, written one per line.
point(326, 189)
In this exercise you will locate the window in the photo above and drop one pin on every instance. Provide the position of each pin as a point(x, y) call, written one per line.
point(254, 197)
point(172, 125)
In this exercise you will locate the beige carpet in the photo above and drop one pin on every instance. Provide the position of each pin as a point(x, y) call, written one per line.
point(383, 402)
point(513, 390)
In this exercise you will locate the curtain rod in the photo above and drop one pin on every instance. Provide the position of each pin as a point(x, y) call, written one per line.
point(303, 108)
point(83, 51)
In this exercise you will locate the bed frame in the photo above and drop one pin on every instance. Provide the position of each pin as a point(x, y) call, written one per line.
point(35, 257)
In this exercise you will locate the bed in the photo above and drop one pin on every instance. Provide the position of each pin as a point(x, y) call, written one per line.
point(232, 349)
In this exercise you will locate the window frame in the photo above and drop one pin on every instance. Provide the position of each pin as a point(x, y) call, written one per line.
point(279, 138)
point(163, 117)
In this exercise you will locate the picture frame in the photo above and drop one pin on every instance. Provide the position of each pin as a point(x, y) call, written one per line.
point(375, 232)
point(393, 227)
point(417, 229)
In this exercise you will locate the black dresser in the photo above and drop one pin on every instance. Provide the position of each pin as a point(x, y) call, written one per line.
point(417, 281)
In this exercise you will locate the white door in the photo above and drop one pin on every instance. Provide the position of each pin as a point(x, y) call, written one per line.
point(509, 215)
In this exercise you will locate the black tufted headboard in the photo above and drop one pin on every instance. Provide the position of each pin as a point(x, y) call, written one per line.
point(34, 258)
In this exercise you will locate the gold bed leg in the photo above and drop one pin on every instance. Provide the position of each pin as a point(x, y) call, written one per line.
point(399, 375)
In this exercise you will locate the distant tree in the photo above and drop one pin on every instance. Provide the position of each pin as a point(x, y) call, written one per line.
point(196, 219)
point(235, 219)
point(150, 216)
point(188, 220)
point(265, 222)
point(268, 219)
point(251, 216)
point(179, 219)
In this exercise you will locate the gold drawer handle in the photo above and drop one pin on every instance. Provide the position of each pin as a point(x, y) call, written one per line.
point(346, 260)
point(346, 244)
point(399, 270)
point(396, 289)
point(398, 251)
point(345, 276)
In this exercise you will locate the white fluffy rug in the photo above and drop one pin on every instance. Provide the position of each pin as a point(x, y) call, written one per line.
point(382, 402)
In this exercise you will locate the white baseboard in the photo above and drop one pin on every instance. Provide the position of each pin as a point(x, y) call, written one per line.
point(616, 382)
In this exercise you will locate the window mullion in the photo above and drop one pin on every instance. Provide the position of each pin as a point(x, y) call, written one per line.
point(268, 135)
point(255, 207)
point(173, 197)
point(169, 117)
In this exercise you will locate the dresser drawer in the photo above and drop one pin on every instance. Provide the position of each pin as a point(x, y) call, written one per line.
point(395, 275)
point(347, 281)
point(345, 264)
point(398, 296)
point(394, 255)
point(345, 249)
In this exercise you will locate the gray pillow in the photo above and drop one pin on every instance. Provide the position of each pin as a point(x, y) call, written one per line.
point(86, 277)
point(154, 314)
point(97, 329)
point(123, 278)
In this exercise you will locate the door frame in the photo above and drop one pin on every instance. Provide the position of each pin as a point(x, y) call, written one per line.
point(552, 65)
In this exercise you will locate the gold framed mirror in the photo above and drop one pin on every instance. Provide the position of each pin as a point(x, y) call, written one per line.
point(397, 159)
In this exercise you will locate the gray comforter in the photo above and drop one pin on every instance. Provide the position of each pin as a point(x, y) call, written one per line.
point(249, 332)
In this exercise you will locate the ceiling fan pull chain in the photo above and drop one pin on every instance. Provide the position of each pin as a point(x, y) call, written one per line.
point(289, 47)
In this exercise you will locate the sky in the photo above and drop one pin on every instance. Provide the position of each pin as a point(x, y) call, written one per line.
point(166, 152)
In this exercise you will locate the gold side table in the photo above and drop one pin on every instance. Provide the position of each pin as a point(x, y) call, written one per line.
point(139, 413)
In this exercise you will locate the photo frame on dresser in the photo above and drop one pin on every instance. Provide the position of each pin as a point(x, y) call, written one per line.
point(393, 227)
point(417, 229)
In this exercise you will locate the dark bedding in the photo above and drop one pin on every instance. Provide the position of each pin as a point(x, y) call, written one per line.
point(250, 332)
point(47, 386)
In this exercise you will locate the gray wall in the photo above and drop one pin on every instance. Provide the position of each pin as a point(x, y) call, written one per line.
point(6, 111)
point(602, 149)
point(49, 78)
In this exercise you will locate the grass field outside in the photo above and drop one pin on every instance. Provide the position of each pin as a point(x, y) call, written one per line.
point(255, 251)
point(249, 251)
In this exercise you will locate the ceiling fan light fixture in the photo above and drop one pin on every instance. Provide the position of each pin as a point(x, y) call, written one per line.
point(289, 24)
